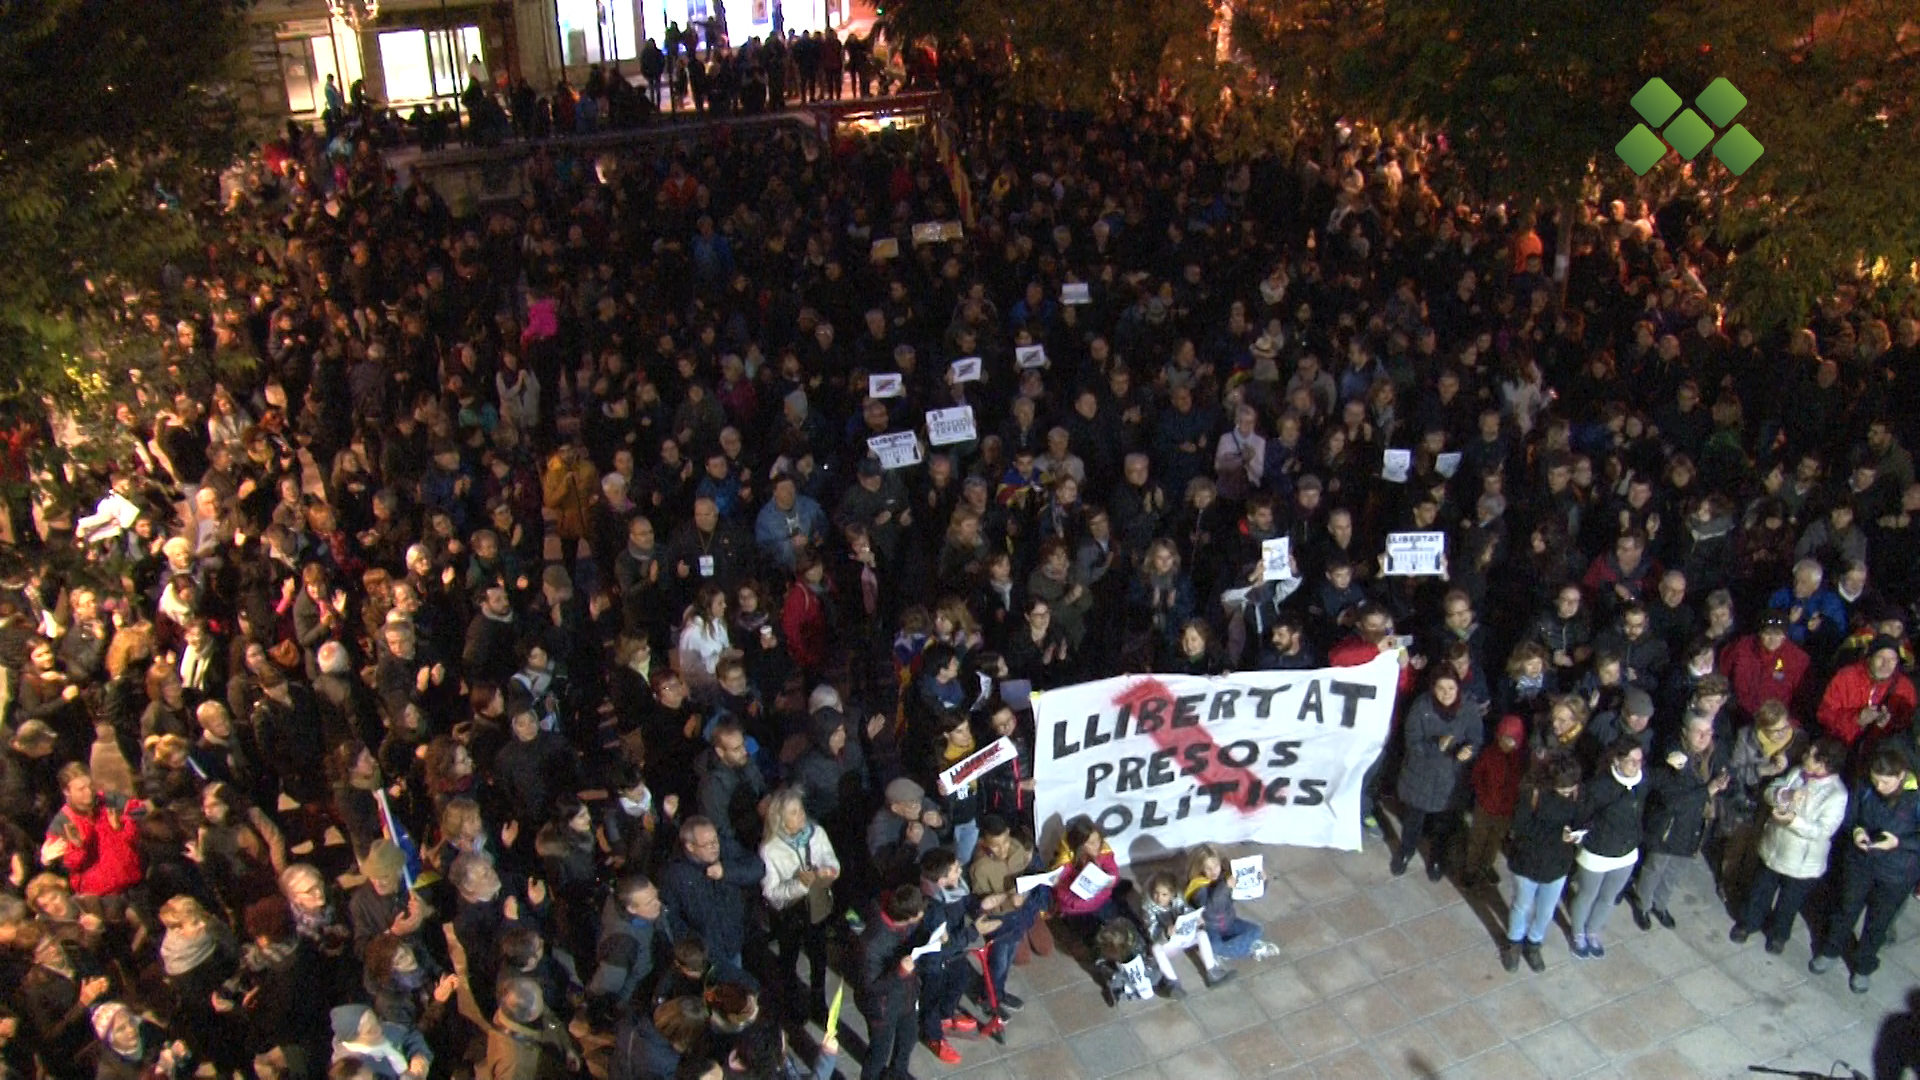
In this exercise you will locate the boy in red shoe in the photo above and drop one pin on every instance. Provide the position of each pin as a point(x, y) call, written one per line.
point(953, 917)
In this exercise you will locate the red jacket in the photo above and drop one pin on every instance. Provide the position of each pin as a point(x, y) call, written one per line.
point(1496, 772)
point(1064, 902)
point(1759, 676)
point(1853, 689)
point(103, 854)
point(803, 618)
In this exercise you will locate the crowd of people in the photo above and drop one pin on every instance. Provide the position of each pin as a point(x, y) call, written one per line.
point(694, 70)
point(491, 641)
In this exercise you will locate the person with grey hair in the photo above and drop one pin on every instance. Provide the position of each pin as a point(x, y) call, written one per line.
point(1816, 619)
point(1683, 801)
point(705, 888)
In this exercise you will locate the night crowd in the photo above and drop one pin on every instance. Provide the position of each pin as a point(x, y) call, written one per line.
point(488, 643)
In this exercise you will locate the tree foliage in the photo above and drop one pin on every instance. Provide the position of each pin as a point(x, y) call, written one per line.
point(1532, 95)
point(113, 118)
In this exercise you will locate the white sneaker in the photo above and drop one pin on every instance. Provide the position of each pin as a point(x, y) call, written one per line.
point(1266, 950)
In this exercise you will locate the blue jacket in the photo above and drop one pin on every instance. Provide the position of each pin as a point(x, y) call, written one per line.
point(774, 529)
point(1824, 602)
point(1900, 816)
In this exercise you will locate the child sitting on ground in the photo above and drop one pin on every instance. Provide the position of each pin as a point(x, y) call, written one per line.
point(1161, 907)
point(1210, 888)
point(1121, 963)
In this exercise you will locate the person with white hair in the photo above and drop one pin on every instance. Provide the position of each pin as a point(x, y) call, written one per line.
point(1814, 613)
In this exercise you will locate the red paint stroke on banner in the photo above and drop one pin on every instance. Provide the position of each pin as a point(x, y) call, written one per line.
point(1177, 739)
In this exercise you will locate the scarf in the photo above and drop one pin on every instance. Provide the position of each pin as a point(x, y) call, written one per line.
point(382, 1052)
point(947, 894)
point(1629, 782)
point(180, 954)
point(801, 842)
point(952, 755)
point(1770, 747)
point(260, 958)
point(637, 807)
point(311, 924)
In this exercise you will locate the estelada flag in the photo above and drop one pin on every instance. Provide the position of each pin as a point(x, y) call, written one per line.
point(949, 160)
point(397, 833)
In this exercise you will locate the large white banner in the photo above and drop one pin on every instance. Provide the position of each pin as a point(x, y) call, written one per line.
point(1165, 762)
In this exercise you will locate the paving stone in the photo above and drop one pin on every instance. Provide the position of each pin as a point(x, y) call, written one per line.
point(1562, 1051)
point(1108, 1051)
point(1167, 1029)
point(1372, 1011)
point(1411, 1053)
point(1355, 1063)
point(1317, 1032)
point(1516, 1010)
point(1335, 971)
point(1387, 951)
point(1464, 1032)
point(1234, 1006)
point(1258, 1051)
point(1281, 991)
point(1425, 990)
point(1504, 1063)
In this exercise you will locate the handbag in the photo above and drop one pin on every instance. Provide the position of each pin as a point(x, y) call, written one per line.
point(819, 903)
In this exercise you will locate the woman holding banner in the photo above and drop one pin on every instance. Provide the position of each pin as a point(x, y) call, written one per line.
point(1443, 732)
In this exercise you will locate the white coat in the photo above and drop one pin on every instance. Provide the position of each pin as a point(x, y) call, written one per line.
point(1799, 848)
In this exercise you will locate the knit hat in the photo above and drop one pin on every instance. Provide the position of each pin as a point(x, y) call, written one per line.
point(1637, 702)
point(1774, 620)
point(1883, 641)
point(903, 790)
point(107, 1015)
point(1511, 727)
point(823, 697)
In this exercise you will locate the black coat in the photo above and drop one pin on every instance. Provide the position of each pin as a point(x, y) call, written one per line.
point(716, 910)
point(1611, 814)
point(1538, 850)
point(880, 991)
point(1677, 805)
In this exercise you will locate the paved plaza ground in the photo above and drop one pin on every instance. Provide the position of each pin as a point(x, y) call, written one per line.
point(1385, 977)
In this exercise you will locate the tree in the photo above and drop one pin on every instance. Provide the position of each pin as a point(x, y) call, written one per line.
point(113, 122)
point(1533, 95)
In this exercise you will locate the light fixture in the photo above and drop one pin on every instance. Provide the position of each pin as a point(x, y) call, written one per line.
point(354, 11)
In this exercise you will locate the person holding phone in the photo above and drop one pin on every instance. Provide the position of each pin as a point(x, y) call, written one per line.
point(1881, 865)
point(1540, 855)
point(1805, 810)
point(1611, 809)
